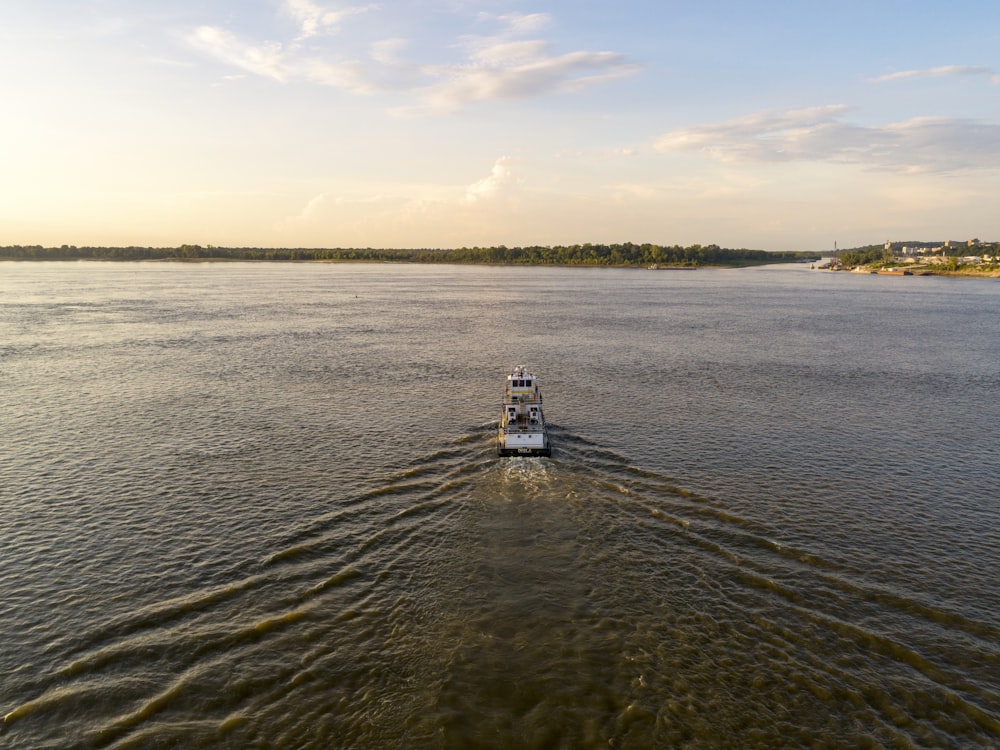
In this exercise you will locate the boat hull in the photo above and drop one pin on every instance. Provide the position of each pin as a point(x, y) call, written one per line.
point(524, 452)
point(515, 440)
point(503, 450)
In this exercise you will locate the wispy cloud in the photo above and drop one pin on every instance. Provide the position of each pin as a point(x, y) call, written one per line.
point(328, 208)
point(281, 62)
point(460, 86)
point(524, 23)
point(314, 18)
point(267, 59)
point(944, 71)
point(312, 208)
point(922, 144)
point(501, 66)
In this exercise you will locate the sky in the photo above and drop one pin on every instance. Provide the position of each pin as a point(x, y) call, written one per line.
point(773, 124)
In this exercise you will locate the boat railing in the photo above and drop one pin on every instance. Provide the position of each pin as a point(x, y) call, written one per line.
point(527, 398)
point(522, 428)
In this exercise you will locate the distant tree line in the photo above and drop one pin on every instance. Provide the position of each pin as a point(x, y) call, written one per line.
point(865, 256)
point(625, 254)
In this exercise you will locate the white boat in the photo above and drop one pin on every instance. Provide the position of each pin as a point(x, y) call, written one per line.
point(522, 429)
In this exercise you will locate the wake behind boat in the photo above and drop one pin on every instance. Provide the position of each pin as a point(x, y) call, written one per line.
point(522, 429)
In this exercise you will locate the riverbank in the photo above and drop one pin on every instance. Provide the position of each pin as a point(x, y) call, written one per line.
point(986, 273)
point(970, 272)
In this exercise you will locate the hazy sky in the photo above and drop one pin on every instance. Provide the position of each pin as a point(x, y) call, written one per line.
point(439, 123)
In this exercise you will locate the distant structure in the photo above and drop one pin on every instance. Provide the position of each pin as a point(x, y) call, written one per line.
point(930, 254)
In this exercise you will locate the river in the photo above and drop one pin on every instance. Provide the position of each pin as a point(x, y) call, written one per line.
point(259, 506)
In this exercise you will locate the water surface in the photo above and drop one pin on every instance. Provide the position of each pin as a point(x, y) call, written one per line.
point(259, 506)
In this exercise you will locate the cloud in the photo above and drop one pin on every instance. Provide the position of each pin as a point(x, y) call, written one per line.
point(511, 28)
point(372, 208)
point(267, 59)
point(500, 178)
point(502, 66)
point(280, 63)
point(314, 19)
point(311, 208)
point(509, 53)
point(529, 23)
point(944, 71)
point(326, 210)
point(922, 144)
point(464, 85)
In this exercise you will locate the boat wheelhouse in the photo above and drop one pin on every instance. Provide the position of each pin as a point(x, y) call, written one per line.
point(522, 429)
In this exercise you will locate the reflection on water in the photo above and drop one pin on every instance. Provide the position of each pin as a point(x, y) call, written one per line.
point(259, 507)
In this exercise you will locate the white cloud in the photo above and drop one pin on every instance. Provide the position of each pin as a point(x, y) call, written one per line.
point(821, 134)
point(529, 23)
point(512, 53)
point(511, 28)
point(464, 85)
point(312, 208)
point(504, 67)
point(498, 67)
point(499, 179)
point(267, 59)
point(355, 212)
point(329, 211)
point(314, 19)
point(281, 63)
point(944, 71)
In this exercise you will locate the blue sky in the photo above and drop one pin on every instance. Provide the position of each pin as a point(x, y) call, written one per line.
point(442, 123)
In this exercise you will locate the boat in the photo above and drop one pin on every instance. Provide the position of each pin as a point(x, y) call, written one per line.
point(522, 430)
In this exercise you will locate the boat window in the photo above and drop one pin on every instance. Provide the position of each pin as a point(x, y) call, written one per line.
point(527, 384)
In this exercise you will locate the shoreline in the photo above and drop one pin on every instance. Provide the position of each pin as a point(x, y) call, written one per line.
point(361, 261)
point(968, 273)
point(985, 274)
